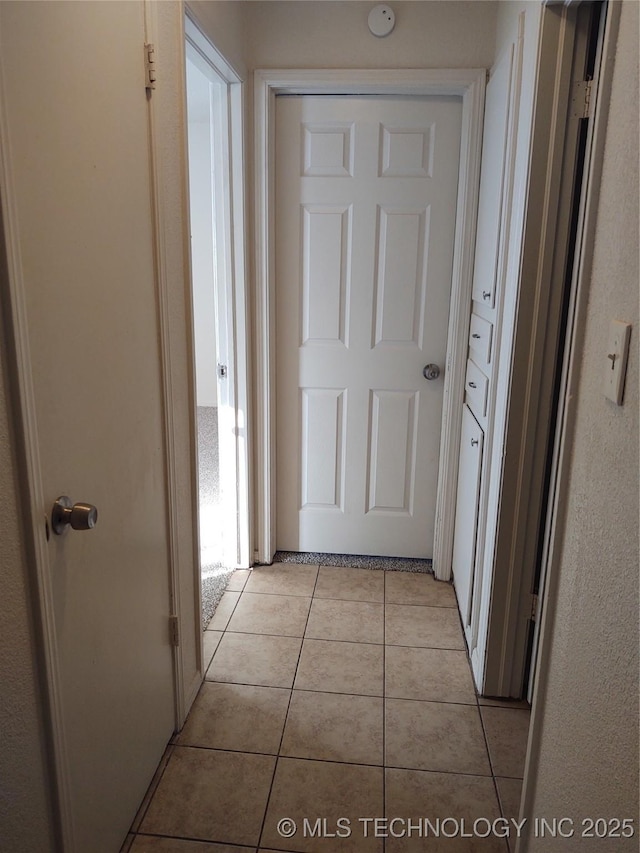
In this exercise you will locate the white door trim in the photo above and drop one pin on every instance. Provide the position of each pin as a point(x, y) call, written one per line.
point(469, 84)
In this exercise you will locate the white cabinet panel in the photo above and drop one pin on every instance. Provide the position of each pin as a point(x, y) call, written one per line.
point(480, 335)
point(491, 181)
point(476, 387)
point(464, 544)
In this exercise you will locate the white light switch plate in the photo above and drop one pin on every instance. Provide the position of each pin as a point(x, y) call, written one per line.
point(616, 358)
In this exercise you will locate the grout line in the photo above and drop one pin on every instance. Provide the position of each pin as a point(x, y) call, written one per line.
point(486, 743)
point(199, 840)
point(295, 673)
point(336, 761)
point(152, 789)
point(382, 695)
point(353, 642)
point(233, 610)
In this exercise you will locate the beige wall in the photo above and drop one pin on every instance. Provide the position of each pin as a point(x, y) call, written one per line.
point(335, 34)
point(223, 22)
point(328, 34)
point(587, 759)
point(25, 822)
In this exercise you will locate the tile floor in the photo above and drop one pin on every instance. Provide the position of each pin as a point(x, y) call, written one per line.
point(335, 693)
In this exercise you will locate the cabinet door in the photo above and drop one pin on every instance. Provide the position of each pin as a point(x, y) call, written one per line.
point(464, 543)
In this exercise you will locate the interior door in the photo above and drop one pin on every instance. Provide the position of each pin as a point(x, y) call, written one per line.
point(76, 116)
point(365, 218)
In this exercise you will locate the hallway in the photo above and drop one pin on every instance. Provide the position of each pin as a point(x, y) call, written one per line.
point(335, 693)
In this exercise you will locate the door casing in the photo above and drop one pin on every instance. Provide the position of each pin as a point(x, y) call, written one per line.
point(469, 84)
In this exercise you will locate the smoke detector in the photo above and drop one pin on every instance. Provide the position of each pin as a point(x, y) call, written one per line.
point(382, 20)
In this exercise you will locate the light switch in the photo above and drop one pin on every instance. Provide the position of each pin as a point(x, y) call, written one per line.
point(616, 357)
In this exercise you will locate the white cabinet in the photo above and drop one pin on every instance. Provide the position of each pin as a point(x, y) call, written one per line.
point(476, 386)
point(464, 543)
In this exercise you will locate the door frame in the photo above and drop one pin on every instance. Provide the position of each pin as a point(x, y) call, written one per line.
point(469, 84)
point(230, 162)
point(508, 603)
point(568, 403)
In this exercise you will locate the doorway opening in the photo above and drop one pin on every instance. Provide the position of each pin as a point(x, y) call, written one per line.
point(202, 97)
point(214, 133)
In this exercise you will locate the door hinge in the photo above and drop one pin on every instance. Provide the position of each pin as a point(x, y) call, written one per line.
point(580, 99)
point(150, 66)
point(534, 607)
point(223, 371)
point(174, 631)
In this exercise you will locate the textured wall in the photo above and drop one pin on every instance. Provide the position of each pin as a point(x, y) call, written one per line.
point(587, 762)
point(24, 808)
point(328, 34)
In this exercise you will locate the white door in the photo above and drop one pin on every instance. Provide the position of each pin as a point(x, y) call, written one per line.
point(468, 496)
point(365, 217)
point(78, 151)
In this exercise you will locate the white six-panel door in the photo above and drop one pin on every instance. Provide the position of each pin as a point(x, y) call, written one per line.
point(365, 216)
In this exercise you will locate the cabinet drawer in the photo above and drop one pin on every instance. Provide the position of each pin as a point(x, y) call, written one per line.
point(480, 338)
point(476, 386)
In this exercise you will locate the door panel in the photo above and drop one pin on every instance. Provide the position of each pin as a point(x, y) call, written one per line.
point(392, 451)
point(468, 496)
point(79, 156)
point(494, 164)
point(365, 216)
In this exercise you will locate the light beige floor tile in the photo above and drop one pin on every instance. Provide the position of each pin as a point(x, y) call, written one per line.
point(507, 732)
point(434, 736)
point(237, 716)
point(281, 615)
point(511, 704)
point(157, 844)
point(439, 675)
point(353, 621)
point(211, 795)
point(413, 794)
point(210, 642)
point(311, 789)
point(255, 659)
point(238, 580)
point(337, 667)
point(334, 727)
point(426, 627)
point(223, 611)
point(350, 584)
point(418, 588)
point(510, 794)
point(283, 579)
